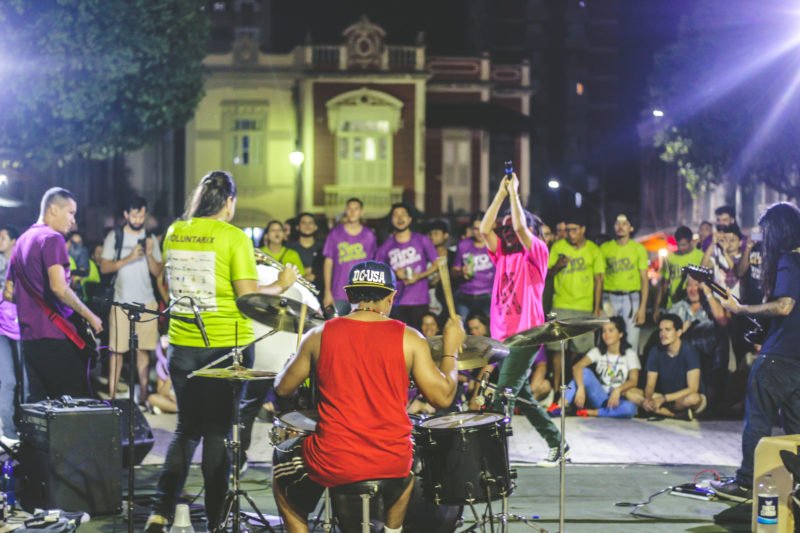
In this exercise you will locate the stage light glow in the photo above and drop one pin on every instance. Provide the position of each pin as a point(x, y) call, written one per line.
point(658, 113)
point(578, 199)
point(663, 252)
point(553, 183)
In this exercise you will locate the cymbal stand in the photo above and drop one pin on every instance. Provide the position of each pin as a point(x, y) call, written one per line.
point(232, 511)
point(562, 461)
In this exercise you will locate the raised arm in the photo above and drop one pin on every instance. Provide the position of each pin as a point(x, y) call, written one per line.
point(517, 217)
point(490, 217)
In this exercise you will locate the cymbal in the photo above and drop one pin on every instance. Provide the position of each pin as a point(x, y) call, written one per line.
point(277, 312)
point(554, 331)
point(476, 352)
point(233, 373)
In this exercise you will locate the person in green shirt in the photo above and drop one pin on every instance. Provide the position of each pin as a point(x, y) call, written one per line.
point(576, 266)
point(211, 262)
point(672, 279)
point(625, 284)
point(272, 244)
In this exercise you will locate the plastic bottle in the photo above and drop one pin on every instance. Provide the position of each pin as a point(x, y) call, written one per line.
point(767, 494)
point(182, 522)
point(8, 484)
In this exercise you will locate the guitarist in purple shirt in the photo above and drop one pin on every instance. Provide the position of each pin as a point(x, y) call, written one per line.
point(38, 282)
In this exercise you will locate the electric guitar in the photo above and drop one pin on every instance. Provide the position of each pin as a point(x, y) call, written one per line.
point(757, 333)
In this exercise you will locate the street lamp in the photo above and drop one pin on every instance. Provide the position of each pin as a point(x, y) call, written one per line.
point(296, 157)
point(658, 113)
point(553, 183)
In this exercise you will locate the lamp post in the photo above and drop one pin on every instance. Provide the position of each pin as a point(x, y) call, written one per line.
point(555, 185)
point(296, 158)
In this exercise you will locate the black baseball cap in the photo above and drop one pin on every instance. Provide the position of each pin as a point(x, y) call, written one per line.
point(372, 274)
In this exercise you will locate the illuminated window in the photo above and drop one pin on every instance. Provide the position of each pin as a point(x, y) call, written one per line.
point(579, 89)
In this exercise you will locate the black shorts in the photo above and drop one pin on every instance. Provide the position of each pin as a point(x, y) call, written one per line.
point(289, 470)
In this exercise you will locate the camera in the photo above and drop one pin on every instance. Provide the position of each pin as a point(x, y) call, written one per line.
point(508, 167)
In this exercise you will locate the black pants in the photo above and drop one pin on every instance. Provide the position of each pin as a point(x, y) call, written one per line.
point(774, 386)
point(204, 411)
point(55, 367)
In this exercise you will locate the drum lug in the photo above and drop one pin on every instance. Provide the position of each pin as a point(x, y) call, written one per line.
point(437, 488)
point(512, 473)
point(508, 430)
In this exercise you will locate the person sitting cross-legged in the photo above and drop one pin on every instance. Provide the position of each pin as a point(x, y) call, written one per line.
point(674, 388)
point(610, 390)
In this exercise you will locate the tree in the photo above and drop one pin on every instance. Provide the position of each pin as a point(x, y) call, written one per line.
point(95, 78)
point(730, 89)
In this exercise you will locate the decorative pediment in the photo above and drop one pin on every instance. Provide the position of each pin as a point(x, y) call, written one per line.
point(245, 51)
point(364, 104)
point(364, 41)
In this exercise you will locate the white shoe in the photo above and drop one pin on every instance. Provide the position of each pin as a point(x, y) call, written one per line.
point(553, 456)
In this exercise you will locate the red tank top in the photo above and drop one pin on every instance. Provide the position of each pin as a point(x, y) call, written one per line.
point(363, 430)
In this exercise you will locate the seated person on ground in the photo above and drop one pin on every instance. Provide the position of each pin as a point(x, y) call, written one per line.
point(674, 388)
point(610, 390)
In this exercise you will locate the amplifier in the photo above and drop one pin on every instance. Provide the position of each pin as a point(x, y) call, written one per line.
point(143, 439)
point(70, 457)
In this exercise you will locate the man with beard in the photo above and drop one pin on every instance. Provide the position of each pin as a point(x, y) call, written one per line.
point(774, 383)
point(413, 259)
point(520, 257)
point(308, 247)
point(132, 256)
point(347, 244)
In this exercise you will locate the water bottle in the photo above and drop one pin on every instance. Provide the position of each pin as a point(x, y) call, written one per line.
point(182, 522)
point(8, 484)
point(767, 505)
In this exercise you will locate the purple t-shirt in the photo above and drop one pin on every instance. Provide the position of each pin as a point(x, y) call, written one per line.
point(36, 250)
point(482, 280)
point(417, 253)
point(346, 250)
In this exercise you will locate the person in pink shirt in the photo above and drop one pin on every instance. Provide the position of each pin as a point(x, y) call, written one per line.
point(520, 257)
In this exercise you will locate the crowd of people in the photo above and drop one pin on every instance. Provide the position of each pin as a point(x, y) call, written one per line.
point(509, 269)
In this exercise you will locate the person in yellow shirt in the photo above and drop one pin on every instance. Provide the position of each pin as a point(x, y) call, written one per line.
point(672, 279)
point(576, 266)
point(212, 262)
point(272, 244)
point(625, 284)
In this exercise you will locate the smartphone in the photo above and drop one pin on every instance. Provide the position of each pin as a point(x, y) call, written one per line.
point(143, 242)
point(508, 167)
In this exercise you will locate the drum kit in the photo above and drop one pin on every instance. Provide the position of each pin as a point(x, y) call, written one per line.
point(461, 459)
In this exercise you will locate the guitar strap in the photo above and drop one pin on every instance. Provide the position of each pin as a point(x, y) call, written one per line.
point(65, 326)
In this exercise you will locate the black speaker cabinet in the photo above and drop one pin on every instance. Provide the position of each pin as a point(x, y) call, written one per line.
point(143, 439)
point(70, 457)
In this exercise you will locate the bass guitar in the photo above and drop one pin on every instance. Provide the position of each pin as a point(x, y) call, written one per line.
point(757, 332)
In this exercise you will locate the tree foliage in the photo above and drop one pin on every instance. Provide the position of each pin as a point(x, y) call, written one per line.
point(94, 78)
point(730, 89)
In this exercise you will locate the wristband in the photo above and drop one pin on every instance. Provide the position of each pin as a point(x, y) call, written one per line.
point(453, 356)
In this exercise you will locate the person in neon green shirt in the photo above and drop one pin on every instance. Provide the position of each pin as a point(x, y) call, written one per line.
point(576, 266)
point(625, 284)
point(672, 279)
point(272, 244)
point(211, 262)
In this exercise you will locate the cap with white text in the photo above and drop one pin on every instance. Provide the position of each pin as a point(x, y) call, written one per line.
point(372, 274)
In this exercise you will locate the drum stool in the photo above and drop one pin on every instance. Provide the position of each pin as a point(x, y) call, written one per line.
point(366, 490)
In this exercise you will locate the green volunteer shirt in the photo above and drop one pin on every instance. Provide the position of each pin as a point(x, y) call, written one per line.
point(574, 284)
point(203, 258)
point(287, 256)
point(672, 270)
point(624, 265)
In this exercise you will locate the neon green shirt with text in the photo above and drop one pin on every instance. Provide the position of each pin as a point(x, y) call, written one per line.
point(574, 284)
point(624, 265)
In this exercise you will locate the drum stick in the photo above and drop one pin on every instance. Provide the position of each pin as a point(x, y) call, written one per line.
point(301, 327)
point(444, 275)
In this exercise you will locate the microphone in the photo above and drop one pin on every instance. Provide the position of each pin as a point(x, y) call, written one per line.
point(198, 321)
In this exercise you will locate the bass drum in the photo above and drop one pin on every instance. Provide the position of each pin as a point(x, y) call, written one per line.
point(272, 353)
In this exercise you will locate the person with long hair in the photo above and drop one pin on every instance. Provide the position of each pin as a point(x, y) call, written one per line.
point(774, 382)
point(610, 389)
point(209, 263)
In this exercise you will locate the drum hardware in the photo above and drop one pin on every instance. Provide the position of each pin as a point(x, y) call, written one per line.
point(558, 331)
point(476, 351)
point(263, 258)
point(277, 312)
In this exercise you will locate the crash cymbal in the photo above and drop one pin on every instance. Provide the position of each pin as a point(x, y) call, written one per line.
point(476, 352)
point(277, 312)
point(554, 331)
point(233, 373)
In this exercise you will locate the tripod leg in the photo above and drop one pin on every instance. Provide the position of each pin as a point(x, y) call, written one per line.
point(261, 516)
point(227, 508)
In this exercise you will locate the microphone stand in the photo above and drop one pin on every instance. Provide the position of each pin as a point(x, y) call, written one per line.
point(134, 313)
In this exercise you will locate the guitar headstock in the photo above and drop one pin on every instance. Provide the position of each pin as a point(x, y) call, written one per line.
point(702, 274)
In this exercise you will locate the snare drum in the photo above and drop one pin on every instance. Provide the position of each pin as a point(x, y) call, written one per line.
point(272, 353)
point(465, 457)
point(293, 424)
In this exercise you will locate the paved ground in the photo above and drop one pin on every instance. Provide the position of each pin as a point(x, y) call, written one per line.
point(593, 441)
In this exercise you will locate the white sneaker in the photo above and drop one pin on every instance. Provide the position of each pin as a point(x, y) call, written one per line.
point(553, 456)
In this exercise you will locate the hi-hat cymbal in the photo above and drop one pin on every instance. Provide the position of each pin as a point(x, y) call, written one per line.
point(476, 352)
point(554, 331)
point(276, 312)
point(233, 373)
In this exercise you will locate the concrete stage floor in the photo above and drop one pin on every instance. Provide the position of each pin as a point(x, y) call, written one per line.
point(613, 461)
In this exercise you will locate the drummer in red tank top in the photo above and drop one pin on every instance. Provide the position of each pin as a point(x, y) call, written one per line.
point(362, 364)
